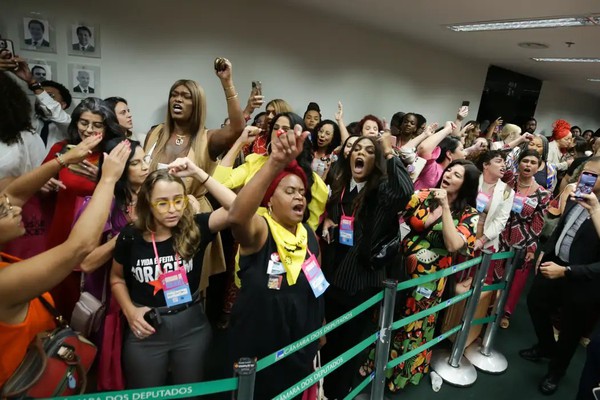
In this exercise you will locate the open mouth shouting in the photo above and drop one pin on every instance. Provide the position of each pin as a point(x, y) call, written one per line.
point(298, 210)
point(177, 109)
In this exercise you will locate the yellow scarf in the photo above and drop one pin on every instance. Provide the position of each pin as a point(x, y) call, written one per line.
point(291, 248)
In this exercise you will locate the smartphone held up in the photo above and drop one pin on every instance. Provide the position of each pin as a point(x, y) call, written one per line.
point(586, 184)
point(7, 44)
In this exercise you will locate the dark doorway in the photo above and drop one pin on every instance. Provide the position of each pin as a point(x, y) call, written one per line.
point(509, 95)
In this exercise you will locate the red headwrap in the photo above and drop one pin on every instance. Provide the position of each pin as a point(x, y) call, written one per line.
point(291, 168)
point(560, 129)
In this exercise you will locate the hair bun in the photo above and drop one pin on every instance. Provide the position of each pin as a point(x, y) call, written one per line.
point(312, 106)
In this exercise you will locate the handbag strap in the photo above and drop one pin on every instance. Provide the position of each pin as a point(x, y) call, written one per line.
point(53, 311)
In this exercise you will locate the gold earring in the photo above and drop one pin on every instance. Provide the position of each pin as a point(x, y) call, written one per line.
point(270, 209)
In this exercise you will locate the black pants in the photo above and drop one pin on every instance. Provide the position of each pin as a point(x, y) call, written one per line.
point(590, 377)
point(338, 302)
point(546, 297)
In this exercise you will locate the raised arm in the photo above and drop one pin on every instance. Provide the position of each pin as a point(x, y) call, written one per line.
point(339, 118)
point(219, 140)
point(492, 128)
point(248, 136)
point(25, 280)
point(428, 145)
point(21, 189)
point(462, 113)
point(249, 229)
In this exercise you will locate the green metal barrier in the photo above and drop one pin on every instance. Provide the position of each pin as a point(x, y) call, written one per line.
point(231, 384)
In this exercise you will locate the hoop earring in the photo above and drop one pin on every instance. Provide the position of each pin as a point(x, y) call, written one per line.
point(269, 148)
point(270, 209)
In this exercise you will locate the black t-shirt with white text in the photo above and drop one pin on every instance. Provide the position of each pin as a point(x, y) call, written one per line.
point(140, 267)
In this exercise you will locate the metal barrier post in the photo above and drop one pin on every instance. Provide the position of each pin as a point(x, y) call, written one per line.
point(480, 353)
point(382, 350)
point(245, 368)
point(453, 367)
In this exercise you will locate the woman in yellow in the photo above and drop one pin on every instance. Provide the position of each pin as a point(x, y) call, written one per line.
point(232, 178)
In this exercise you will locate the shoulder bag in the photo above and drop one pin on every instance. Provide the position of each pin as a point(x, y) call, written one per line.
point(56, 363)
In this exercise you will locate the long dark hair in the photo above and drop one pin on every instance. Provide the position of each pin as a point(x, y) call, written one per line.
point(467, 194)
point(449, 143)
point(305, 158)
point(15, 110)
point(345, 175)
point(112, 129)
point(335, 140)
point(123, 190)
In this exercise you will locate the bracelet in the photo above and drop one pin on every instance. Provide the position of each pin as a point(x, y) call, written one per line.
point(117, 283)
point(232, 97)
point(60, 161)
point(229, 87)
point(206, 180)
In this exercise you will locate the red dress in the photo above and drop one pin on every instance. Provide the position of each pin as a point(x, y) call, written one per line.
point(66, 202)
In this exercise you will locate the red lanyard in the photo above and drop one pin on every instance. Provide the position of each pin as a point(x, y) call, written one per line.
point(160, 271)
point(342, 206)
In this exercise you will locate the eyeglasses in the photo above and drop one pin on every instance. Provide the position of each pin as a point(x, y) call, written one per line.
point(6, 208)
point(163, 206)
point(85, 123)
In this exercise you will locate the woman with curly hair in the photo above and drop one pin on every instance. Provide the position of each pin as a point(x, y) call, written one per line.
point(21, 149)
point(156, 275)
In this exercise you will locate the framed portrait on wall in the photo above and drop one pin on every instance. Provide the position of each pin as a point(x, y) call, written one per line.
point(43, 70)
point(84, 80)
point(37, 34)
point(84, 40)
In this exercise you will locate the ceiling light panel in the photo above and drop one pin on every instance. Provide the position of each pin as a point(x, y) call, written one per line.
point(594, 79)
point(570, 60)
point(527, 24)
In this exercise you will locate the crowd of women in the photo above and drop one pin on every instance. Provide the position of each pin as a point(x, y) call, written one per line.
point(296, 209)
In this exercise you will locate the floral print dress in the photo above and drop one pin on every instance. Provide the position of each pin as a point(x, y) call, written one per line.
point(427, 257)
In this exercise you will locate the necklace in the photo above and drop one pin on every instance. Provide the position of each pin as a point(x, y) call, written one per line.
point(179, 140)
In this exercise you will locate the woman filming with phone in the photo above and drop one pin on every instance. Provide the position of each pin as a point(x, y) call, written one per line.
point(156, 275)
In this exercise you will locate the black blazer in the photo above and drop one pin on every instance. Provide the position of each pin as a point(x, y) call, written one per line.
point(584, 256)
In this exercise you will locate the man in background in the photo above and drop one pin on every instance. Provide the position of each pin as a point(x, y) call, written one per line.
point(36, 30)
point(83, 77)
point(84, 34)
point(39, 73)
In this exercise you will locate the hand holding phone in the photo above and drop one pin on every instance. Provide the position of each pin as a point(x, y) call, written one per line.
point(586, 184)
point(257, 88)
point(7, 44)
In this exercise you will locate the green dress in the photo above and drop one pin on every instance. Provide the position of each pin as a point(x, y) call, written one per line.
point(427, 257)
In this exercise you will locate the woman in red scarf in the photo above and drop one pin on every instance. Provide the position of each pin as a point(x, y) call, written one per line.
point(558, 149)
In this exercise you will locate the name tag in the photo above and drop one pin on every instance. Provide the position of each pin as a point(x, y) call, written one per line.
point(315, 276)
point(423, 291)
point(347, 230)
point(482, 201)
point(518, 203)
point(176, 288)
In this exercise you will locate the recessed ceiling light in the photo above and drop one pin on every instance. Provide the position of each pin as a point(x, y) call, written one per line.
point(594, 79)
point(533, 45)
point(560, 22)
point(571, 60)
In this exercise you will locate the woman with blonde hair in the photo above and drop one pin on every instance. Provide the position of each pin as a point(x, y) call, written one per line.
point(510, 137)
point(156, 275)
point(184, 134)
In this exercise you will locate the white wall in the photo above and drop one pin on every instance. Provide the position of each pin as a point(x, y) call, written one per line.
point(577, 108)
point(299, 55)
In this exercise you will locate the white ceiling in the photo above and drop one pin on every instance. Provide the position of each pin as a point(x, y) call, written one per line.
point(424, 20)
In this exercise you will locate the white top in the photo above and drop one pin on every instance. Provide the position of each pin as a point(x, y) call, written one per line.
point(498, 213)
point(61, 119)
point(554, 156)
point(21, 157)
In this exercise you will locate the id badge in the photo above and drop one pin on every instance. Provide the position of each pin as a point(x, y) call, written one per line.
point(347, 230)
point(482, 201)
point(425, 292)
point(176, 287)
point(518, 203)
point(315, 276)
point(275, 267)
point(274, 282)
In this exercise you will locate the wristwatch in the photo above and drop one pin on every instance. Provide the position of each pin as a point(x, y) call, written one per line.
point(35, 86)
point(568, 272)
